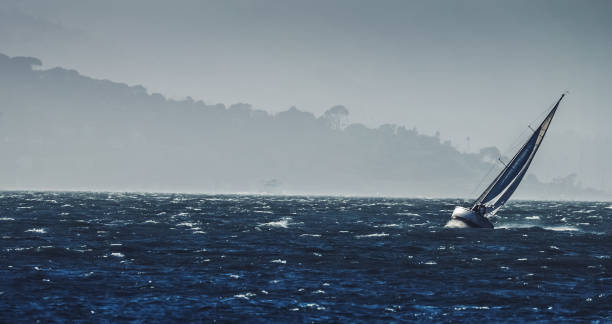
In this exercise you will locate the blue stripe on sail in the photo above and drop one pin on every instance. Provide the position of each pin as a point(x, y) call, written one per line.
point(513, 170)
point(502, 200)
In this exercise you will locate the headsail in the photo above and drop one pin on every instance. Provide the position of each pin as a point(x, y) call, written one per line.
point(504, 185)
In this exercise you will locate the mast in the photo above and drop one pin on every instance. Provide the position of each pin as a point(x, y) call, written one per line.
point(504, 185)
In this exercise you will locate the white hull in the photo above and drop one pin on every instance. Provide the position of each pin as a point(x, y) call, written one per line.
point(470, 218)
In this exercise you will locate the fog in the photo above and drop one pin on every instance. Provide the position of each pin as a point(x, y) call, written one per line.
point(477, 72)
point(61, 130)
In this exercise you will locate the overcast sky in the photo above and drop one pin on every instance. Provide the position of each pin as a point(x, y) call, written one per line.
point(478, 69)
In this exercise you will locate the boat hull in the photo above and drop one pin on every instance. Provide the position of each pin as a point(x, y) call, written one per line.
point(470, 218)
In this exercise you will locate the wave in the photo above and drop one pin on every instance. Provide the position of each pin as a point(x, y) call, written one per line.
point(561, 228)
point(558, 228)
point(453, 223)
point(372, 235)
point(281, 223)
point(36, 230)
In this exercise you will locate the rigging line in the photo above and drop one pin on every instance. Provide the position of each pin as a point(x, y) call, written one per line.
point(520, 139)
point(517, 142)
point(493, 165)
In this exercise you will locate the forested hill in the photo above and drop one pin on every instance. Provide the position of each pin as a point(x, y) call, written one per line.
point(62, 130)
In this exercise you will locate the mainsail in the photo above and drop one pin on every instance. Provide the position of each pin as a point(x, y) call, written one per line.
point(504, 185)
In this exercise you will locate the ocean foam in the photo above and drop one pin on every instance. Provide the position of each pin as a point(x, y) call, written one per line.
point(372, 235)
point(453, 223)
point(246, 296)
point(407, 214)
point(36, 230)
point(311, 235)
point(561, 228)
point(281, 223)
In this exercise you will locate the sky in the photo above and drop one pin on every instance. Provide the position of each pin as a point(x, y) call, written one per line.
point(481, 70)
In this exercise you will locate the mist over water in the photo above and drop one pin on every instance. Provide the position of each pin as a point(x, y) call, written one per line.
point(127, 256)
point(60, 130)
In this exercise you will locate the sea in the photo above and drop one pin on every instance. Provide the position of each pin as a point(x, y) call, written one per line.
point(157, 257)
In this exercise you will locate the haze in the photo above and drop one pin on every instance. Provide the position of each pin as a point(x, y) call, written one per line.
point(481, 70)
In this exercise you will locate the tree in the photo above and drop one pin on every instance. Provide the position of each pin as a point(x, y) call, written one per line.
point(336, 117)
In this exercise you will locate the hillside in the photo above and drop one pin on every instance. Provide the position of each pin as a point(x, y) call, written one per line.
point(62, 130)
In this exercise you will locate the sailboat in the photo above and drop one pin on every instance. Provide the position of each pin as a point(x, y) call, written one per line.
point(504, 185)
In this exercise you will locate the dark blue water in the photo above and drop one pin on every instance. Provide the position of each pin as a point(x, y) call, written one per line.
point(111, 257)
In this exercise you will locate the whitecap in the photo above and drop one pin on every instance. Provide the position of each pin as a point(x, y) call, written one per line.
point(561, 228)
point(466, 307)
point(6, 219)
point(431, 263)
point(279, 261)
point(532, 217)
point(188, 224)
point(453, 223)
point(372, 235)
point(312, 305)
point(387, 225)
point(550, 228)
point(407, 214)
point(117, 254)
point(37, 230)
point(282, 223)
point(311, 235)
point(419, 224)
point(246, 296)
